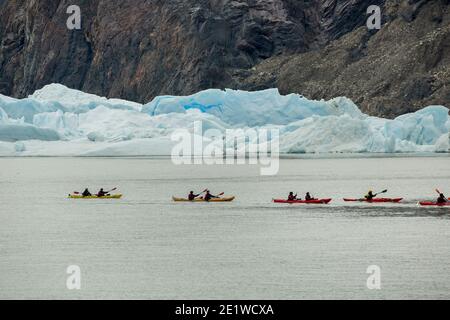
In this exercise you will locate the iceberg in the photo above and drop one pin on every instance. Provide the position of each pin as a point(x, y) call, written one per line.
point(58, 121)
point(252, 109)
point(56, 97)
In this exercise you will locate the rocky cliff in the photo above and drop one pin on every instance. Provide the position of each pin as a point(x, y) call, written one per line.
point(137, 49)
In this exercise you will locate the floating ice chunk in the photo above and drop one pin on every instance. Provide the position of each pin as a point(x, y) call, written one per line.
point(19, 146)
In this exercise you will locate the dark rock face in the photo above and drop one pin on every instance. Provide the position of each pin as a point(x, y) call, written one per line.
point(401, 68)
point(137, 49)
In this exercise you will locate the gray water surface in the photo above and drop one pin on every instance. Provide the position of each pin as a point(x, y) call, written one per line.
point(144, 246)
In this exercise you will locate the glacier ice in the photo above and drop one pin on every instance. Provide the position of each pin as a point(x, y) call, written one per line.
point(252, 109)
point(21, 132)
point(56, 97)
point(3, 116)
point(56, 120)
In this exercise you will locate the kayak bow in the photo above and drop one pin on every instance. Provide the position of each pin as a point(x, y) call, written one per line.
point(316, 201)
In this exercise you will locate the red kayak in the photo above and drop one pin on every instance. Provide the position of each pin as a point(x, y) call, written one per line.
point(316, 201)
point(375, 200)
point(435, 204)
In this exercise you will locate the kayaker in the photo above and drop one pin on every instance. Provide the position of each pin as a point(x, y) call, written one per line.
point(86, 193)
point(308, 197)
point(291, 197)
point(192, 196)
point(209, 196)
point(369, 196)
point(442, 199)
point(101, 193)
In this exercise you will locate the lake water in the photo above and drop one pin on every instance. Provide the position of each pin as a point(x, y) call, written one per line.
point(144, 246)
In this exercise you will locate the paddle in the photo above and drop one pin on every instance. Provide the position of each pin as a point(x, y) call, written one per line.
point(439, 193)
point(107, 192)
point(384, 191)
point(220, 194)
point(201, 194)
point(376, 194)
point(76, 192)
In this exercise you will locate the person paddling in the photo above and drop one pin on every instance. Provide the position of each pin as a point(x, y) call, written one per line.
point(291, 197)
point(369, 196)
point(308, 197)
point(442, 198)
point(86, 193)
point(192, 196)
point(101, 193)
point(209, 196)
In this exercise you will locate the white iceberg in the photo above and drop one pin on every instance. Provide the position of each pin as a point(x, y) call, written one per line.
point(57, 120)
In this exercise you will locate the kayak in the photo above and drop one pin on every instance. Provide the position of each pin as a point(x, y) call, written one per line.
point(79, 196)
point(435, 204)
point(375, 200)
point(316, 201)
point(224, 199)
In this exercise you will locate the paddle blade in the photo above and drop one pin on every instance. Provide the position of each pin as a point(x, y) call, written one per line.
point(76, 192)
point(221, 194)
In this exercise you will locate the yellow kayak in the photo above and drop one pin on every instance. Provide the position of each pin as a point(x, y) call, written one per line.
point(79, 196)
point(224, 199)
